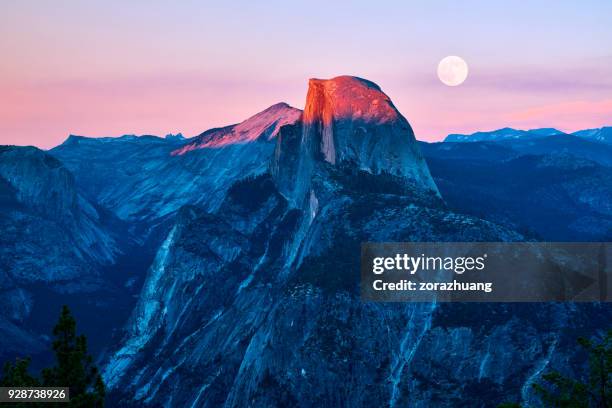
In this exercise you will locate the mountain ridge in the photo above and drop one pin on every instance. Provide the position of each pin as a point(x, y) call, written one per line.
point(263, 125)
point(505, 133)
point(603, 134)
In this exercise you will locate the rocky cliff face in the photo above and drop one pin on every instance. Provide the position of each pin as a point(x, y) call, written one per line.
point(349, 121)
point(39, 191)
point(256, 302)
point(261, 301)
point(54, 243)
point(348, 124)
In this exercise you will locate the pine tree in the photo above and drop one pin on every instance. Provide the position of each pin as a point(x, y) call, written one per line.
point(74, 365)
point(560, 391)
point(17, 375)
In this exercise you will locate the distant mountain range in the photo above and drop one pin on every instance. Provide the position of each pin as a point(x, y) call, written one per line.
point(603, 134)
point(543, 182)
point(224, 269)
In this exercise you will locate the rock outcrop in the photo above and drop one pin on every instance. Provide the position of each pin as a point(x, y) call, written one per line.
point(349, 124)
point(263, 126)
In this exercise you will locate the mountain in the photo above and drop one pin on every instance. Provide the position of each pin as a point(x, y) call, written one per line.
point(566, 145)
point(512, 143)
point(55, 243)
point(348, 122)
point(354, 122)
point(554, 188)
point(146, 179)
point(548, 196)
point(603, 134)
point(504, 134)
point(224, 269)
point(263, 126)
point(38, 190)
point(476, 151)
point(256, 302)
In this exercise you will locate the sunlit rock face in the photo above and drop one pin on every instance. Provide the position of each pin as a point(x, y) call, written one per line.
point(349, 121)
point(263, 126)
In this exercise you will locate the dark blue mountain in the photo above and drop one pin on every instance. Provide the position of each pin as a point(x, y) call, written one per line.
point(56, 246)
point(590, 145)
point(603, 134)
point(552, 187)
point(476, 151)
point(548, 197)
point(563, 145)
point(503, 134)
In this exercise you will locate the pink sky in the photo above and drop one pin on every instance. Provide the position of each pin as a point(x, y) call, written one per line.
point(155, 68)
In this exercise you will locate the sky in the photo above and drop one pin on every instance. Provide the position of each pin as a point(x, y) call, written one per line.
point(100, 68)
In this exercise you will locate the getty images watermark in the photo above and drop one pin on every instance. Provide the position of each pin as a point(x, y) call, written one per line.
point(486, 271)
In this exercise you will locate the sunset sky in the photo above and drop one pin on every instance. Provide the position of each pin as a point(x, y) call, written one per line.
point(159, 67)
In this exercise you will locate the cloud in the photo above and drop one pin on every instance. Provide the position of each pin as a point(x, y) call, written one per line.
point(560, 80)
point(567, 116)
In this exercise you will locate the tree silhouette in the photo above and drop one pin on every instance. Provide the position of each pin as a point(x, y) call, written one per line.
point(559, 391)
point(74, 367)
point(17, 375)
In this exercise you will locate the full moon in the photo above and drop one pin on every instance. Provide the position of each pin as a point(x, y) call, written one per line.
point(452, 70)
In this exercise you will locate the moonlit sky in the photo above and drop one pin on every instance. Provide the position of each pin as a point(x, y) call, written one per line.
point(156, 67)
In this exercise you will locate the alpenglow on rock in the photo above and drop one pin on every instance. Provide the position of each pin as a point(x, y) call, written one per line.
point(262, 126)
point(349, 121)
